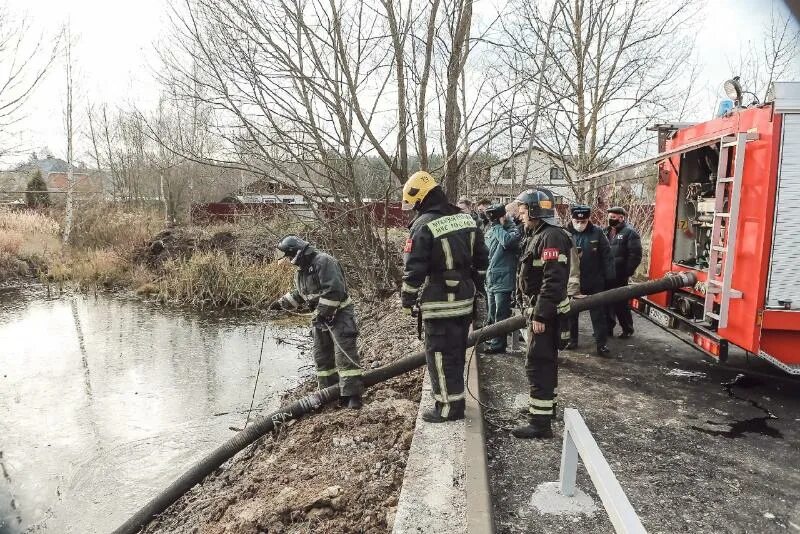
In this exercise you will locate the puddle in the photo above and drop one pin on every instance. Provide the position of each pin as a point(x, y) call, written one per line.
point(753, 425)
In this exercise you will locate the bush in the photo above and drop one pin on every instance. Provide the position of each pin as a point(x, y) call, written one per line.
point(37, 195)
point(216, 279)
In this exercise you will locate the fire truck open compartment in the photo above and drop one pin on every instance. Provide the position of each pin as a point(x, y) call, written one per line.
point(697, 175)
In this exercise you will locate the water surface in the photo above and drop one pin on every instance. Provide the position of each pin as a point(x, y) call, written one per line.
point(104, 401)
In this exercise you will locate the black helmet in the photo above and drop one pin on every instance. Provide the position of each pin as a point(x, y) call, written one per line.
point(495, 211)
point(541, 204)
point(292, 246)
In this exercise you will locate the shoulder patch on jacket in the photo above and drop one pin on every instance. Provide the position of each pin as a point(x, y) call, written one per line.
point(409, 244)
point(550, 254)
point(451, 223)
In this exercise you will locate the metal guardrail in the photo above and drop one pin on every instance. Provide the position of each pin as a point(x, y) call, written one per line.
point(578, 440)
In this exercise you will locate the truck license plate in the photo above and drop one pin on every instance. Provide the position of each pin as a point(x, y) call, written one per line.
point(660, 317)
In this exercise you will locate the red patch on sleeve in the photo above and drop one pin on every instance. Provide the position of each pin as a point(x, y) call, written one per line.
point(549, 254)
point(408, 246)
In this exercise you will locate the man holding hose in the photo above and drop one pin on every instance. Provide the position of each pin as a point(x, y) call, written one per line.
point(320, 286)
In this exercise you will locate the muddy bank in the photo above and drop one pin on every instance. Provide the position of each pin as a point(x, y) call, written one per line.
point(334, 471)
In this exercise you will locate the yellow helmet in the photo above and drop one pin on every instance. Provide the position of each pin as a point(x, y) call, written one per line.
point(416, 188)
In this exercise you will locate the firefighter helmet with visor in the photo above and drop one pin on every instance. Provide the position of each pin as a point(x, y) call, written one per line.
point(416, 189)
point(540, 203)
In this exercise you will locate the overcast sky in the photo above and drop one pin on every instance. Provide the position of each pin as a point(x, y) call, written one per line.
point(115, 59)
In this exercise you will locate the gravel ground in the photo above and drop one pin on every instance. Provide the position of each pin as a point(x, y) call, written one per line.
point(692, 454)
point(336, 470)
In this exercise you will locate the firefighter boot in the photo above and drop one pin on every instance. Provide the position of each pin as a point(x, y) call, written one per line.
point(538, 427)
point(455, 411)
point(344, 400)
point(355, 402)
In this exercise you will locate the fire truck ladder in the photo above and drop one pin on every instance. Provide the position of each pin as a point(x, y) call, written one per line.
point(724, 228)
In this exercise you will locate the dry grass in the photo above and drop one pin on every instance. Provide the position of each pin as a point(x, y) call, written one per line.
point(216, 279)
point(110, 226)
point(28, 240)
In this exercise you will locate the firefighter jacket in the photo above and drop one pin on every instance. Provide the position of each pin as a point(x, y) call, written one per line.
point(443, 258)
point(319, 284)
point(502, 240)
point(544, 271)
point(596, 261)
point(626, 248)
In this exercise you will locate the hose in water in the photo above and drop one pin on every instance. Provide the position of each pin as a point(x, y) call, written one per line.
point(312, 402)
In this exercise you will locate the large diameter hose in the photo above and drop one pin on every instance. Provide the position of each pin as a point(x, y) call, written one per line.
point(307, 404)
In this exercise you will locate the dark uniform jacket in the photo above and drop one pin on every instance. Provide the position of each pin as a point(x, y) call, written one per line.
point(319, 284)
point(544, 271)
point(444, 256)
point(626, 248)
point(596, 261)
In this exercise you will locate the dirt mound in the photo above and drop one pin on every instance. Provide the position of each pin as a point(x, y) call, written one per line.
point(337, 470)
point(182, 242)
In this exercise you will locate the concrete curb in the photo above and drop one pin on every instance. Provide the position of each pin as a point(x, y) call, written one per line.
point(433, 497)
point(480, 519)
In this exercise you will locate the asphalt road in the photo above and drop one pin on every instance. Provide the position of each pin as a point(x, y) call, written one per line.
point(695, 448)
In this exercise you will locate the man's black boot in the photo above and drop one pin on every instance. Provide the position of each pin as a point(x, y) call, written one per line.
point(494, 350)
point(538, 427)
point(572, 345)
point(344, 400)
point(603, 351)
point(626, 334)
point(355, 402)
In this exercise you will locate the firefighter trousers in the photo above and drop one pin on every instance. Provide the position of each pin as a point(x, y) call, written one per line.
point(336, 353)
point(541, 366)
point(445, 352)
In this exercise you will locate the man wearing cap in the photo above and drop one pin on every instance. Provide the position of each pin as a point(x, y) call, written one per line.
point(596, 273)
point(626, 249)
point(502, 240)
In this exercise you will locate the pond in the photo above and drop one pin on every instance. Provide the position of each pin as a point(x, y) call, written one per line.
point(104, 401)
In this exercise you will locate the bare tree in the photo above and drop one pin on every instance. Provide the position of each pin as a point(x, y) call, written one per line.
point(318, 93)
point(612, 71)
point(69, 215)
point(24, 61)
point(775, 57)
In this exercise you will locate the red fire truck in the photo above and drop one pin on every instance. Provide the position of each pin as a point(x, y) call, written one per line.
point(727, 208)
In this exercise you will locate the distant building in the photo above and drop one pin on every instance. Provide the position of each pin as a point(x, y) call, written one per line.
point(13, 183)
point(504, 180)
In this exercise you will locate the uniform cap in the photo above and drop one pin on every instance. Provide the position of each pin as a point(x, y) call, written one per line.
point(581, 213)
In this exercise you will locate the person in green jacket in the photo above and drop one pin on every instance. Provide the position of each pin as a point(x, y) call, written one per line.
point(502, 240)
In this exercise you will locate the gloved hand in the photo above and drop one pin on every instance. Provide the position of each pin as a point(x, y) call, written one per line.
point(323, 320)
point(408, 311)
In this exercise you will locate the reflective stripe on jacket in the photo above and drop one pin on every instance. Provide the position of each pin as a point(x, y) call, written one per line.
point(319, 284)
point(544, 271)
point(443, 255)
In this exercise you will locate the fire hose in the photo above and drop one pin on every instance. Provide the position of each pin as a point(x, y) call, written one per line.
point(314, 401)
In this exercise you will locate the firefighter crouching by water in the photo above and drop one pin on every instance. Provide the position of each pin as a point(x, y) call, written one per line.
point(444, 257)
point(544, 271)
point(320, 285)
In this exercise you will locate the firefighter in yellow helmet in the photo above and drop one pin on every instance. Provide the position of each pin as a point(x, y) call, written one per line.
point(444, 258)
